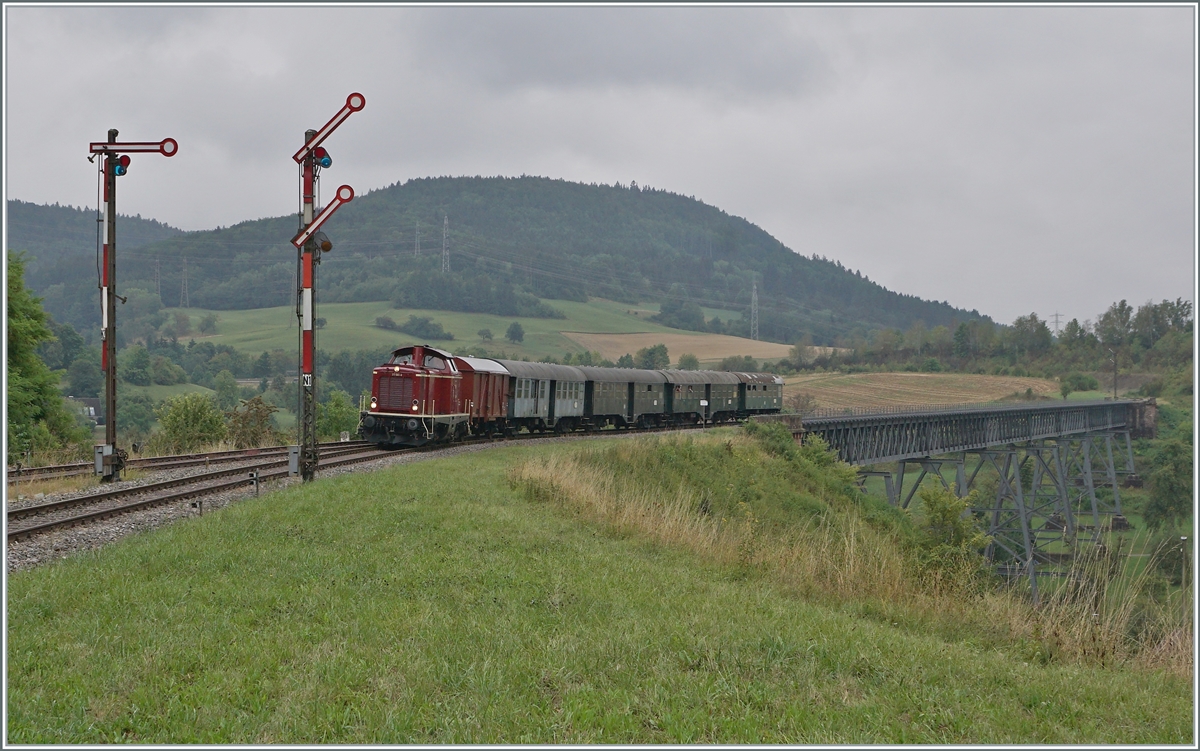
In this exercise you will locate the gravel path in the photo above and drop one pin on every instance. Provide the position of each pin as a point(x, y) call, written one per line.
point(24, 554)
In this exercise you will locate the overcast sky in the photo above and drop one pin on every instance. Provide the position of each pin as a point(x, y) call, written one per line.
point(1008, 159)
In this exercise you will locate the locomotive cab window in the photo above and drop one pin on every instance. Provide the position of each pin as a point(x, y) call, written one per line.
point(405, 359)
point(434, 362)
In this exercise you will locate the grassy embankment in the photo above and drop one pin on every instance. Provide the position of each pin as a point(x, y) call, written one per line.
point(350, 326)
point(714, 593)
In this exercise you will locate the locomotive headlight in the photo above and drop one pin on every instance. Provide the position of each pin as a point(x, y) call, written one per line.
point(374, 403)
point(414, 405)
point(396, 369)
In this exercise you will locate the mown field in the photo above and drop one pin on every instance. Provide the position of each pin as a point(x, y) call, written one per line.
point(898, 389)
point(350, 326)
point(443, 603)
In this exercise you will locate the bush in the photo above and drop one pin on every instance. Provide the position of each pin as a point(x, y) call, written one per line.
point(250, 423)
point(190, 421)
point(227, 390)
point(744, 364)
point(385, 322)
point(425, 328)
point(336, 415)
point(951, 542)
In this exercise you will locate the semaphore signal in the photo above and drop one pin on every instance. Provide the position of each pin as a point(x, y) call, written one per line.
point(311, 243)
point(114, 163)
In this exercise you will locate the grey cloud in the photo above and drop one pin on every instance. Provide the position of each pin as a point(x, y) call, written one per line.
point(748, 52)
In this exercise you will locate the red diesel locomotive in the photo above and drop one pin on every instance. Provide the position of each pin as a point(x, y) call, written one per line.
point(422, 394)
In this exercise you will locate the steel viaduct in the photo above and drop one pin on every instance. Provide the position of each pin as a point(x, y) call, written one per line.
point(1053, 469)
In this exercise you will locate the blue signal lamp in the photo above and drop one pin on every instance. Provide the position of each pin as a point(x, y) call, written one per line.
point(322, 157)
point(121, 166)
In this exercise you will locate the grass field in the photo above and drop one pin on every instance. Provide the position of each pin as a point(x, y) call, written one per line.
point(441, 605)
point(350, 326)
point(897, 389)
point(708, 348)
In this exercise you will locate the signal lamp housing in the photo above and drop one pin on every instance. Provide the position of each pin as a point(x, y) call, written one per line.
point(322, 242)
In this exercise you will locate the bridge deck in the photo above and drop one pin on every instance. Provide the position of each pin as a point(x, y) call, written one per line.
point(874, 437)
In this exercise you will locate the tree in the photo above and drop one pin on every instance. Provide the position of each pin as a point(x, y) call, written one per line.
point(165, 373)
point(515, 333)
point(1115, 325)
point(85, 375)
point(134, 366)
point(37, 417)
point(190, 421)
point(183, 323)
point(208, 324)
point(1170, 481)
point(688, 361)
point(652, 358)
point(485, 334)
point(135, 412)
point(227, 390)
point(625, 361)
point(336, 415)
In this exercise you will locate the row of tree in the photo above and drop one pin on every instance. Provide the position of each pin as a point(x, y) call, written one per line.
point(1157, 336)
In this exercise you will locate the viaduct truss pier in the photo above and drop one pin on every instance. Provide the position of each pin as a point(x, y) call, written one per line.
point(1053, 469)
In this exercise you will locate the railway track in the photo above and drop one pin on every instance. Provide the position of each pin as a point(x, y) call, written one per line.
point(37, 519)
point(178, 461)
point(32, 520)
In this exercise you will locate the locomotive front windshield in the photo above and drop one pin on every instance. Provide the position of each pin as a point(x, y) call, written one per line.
point(404, 359)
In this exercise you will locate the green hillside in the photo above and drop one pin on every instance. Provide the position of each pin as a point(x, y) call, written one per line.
point(448, 602)
point(350, 326)
point(518, 246)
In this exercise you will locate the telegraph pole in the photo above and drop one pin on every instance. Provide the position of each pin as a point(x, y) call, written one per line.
point(310, 243)
point(114, 162)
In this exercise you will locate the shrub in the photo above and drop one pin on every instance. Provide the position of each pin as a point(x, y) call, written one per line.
point(250, 423)
point(425, 328)
point(336, 415)
point(189, 421)
point(385, 322)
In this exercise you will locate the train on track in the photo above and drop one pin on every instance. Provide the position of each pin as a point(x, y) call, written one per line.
point(423, 395)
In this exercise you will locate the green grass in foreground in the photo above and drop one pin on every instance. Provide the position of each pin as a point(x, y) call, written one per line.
point(432, 603)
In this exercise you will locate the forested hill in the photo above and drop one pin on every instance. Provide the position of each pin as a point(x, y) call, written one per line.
point(515, 240)
point(59, 243)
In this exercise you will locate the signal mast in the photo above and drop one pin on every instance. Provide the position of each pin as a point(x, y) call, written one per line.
point(310, 242)
point(114, 163)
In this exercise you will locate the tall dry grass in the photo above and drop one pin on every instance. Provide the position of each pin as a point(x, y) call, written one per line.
point(1102, 614)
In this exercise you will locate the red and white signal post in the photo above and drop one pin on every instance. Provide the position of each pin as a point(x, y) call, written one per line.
point(311, 242)
point(114, 162)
